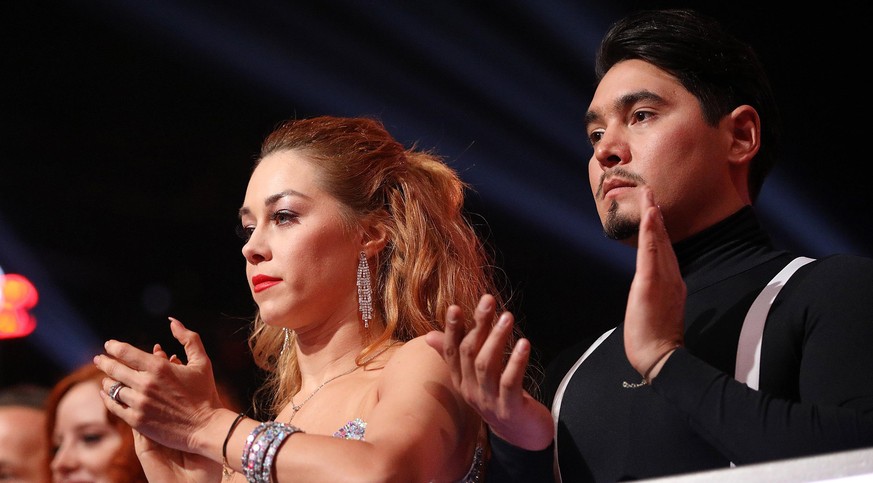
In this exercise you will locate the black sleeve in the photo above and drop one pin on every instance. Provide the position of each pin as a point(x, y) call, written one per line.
point(510, 463)
point(831, 319)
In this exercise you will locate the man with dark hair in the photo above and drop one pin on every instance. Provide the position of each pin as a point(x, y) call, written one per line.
point(732, 351)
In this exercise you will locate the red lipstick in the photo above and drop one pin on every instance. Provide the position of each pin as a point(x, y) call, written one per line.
point(263, 282)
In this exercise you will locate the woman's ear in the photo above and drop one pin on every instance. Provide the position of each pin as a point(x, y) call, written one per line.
point(746, 139)
point(374, 237)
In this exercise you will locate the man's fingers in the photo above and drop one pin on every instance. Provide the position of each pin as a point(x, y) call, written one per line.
point(653, 318)
point(659, 239)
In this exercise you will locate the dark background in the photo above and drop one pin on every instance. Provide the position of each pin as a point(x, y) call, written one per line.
point(128, 130)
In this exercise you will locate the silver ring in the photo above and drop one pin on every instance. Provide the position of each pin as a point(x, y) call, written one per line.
point(114, 390)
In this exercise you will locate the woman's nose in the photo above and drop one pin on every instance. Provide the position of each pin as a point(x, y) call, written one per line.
point(256, 249)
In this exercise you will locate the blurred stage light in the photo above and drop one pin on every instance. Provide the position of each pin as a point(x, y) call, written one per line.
point(17, 297)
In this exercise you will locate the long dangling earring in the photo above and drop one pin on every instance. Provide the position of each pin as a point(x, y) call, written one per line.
point(287, 340)
point(365, 290)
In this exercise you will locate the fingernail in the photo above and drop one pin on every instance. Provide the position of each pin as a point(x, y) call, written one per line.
point(521, 347)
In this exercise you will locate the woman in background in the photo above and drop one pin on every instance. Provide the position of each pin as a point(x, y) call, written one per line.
point(23, 445)
point(88, 442)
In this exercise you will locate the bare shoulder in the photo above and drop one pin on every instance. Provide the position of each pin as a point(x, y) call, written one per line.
point(417, 348)
point(417, 359)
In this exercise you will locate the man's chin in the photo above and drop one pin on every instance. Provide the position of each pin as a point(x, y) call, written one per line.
point(621, 228)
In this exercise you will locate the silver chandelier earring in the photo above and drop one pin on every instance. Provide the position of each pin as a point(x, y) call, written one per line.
point(287, 340)
point(365, 290)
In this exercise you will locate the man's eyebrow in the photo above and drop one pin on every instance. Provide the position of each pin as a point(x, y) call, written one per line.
point(623, 102)
point(272, 199)
point(590, 117)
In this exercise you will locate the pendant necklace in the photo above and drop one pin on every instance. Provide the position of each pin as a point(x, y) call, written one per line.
point(296, 407)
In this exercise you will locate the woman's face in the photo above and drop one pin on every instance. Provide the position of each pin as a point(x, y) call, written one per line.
point(301, 261)
point(84, 441)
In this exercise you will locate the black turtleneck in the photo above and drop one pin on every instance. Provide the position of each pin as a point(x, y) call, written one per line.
point(816, 380)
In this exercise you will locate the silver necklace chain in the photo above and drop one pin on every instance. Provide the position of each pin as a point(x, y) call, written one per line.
point(296, 407)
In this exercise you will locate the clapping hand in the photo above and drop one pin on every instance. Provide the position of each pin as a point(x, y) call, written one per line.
point(166, 401)
point(654, 318)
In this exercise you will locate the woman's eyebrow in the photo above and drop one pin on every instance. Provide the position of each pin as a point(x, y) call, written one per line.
point(272, 199)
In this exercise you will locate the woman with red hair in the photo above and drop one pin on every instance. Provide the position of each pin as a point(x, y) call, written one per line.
point(88, 442)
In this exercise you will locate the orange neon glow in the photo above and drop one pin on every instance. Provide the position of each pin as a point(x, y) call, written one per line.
point(18, 297)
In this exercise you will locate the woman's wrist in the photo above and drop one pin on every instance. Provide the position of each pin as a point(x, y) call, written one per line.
point(225, 468)
point(213, 438)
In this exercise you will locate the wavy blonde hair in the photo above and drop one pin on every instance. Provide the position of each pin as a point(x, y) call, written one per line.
point(433, 258)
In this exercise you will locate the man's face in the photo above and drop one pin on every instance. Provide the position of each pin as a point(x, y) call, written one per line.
point(23, 445)
point(646, 128)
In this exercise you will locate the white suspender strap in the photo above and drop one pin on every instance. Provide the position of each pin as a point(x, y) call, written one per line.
point(749, 347)
point(559, 395)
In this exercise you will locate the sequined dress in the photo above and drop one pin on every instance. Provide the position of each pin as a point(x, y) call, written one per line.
point(356, 428)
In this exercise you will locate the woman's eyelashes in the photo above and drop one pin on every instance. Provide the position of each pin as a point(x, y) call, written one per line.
point(91, 439)
point(283, 217)
point(278, 217)
point(87, 439)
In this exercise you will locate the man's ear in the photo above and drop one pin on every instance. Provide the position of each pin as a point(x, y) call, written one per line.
point(746, 130)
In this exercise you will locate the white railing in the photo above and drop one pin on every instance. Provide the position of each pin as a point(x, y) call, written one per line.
point(844, 467)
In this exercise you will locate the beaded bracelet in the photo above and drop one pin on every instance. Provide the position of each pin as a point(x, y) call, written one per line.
point(248, 456)
point(260, 450)
point(284, 430)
